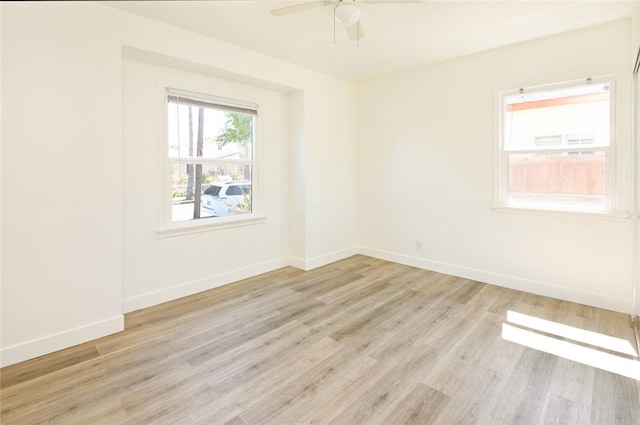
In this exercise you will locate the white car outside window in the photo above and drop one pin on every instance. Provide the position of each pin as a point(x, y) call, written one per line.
point(223, 198)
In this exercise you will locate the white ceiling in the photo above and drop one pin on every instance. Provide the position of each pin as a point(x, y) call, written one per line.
point(397, 36)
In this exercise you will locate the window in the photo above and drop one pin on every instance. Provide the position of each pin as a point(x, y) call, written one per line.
point(210, 157)
point(556, 147)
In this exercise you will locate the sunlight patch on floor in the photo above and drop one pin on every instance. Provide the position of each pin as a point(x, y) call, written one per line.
point(589, 356)
point(580, 335)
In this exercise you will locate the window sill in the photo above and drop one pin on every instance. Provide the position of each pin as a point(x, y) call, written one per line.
point(604, 215)
point(190, 227)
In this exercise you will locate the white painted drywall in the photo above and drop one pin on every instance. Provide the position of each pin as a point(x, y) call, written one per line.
point(635, 29)
point(297, 179)
point(331, 162)
point(426, 154)
point(78, 233)
point(62, 178)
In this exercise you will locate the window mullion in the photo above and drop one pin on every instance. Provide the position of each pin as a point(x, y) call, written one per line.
point(563, 149)
point(209, 161)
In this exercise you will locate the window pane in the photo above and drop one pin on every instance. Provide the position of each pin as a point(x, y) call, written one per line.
point(570, 179)
point(558, 117)
point(224, 189)
point(209, 132)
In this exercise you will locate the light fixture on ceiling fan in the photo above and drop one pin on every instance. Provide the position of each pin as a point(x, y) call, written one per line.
point(349, 16)
point(345, 12)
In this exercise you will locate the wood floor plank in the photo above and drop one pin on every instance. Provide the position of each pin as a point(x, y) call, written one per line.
point(615, 400)
point(23, 372)
point(522, 400)
point(421, 406)
point(238, 343)
point(501, 356)
point(51, 387)
point(417, 307)
point(358, 341)
point(573, 381)
point(273, 377)
point(562, 411)
point(99, 412)
point(326, 374)
point(477, 390)
point(159, 396)
point(453, 366)
point(172, 407)
point(290, 358)
point(243, 337)
point(376, 404)
point(360, 381)
point(235, 421)
point(465, 290)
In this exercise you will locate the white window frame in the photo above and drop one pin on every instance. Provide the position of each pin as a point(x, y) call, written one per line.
point(501, 170)
point(168, 228)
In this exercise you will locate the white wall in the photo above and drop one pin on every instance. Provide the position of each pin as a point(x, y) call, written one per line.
point(635, 19)
point(78, 235)
point(62, 178)
point(297, 179)
point(331, 174)
point(425, 173)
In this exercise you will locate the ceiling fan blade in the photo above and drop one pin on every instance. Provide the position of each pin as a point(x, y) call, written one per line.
point(355, 31)
point(299, 7)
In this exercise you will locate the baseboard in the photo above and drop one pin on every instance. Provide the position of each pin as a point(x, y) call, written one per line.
point(38, 347)
point(189, 288)
point(58, 341)
point(511, 282)
point(298, 263)
point(322, 260)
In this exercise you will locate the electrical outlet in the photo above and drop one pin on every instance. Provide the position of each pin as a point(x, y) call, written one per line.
point(418, 245)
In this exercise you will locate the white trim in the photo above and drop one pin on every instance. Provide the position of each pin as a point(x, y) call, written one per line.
point(298, 263)
point(38, 347)
point(512, 282)
point(189, 288)
point(598, 215)
point(612, 152)
point(213, 101)
point(322, 260)
point(61, 340)
point(635, 206)
point(205, 225)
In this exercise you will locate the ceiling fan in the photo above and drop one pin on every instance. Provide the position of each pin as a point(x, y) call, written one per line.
point(344, 12)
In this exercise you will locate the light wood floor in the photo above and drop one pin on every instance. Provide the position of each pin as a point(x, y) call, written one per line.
point(361, 341)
